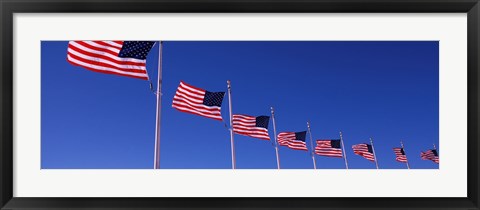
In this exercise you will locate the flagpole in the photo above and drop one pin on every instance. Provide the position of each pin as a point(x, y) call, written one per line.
point(311, 145)
point(401, 143)
point(373, 150)
point(275, 133)
point(159, 101)
point(232, 145)
point(343, 149)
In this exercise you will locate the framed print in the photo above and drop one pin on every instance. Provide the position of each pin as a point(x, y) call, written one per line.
point(252, 105)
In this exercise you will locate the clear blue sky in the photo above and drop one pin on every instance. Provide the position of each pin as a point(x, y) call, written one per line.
point(385, 90)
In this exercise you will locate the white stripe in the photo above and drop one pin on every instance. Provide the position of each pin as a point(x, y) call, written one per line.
point(199, 106)
point(191, 89)
point(191, 98)
point(126, 67)
point(197, 112)
point(197, 95)
point(113, 44)
point(111, 49)
point(102, 68)
point(197, 109)
point(249, 132)
point(244, 124)
point(250, 128)
point(243, 117)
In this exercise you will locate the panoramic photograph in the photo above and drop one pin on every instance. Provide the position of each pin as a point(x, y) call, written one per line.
point(310, 105)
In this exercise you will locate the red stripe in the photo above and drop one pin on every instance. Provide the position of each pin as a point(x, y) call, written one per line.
point(110, 72)
point(196, 105)
point(264, 137)
point(195, 108)
point(187, 111)
point(84, 44)
point(107, 44)
point(190, 86)
point(98, 63)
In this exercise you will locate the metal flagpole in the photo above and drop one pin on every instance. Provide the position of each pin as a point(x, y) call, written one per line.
point(159, 102)
point(311, 145)
point(232, 145)
point(373, 150)
point(275, 133)
point(343, 150)
point(401, 143)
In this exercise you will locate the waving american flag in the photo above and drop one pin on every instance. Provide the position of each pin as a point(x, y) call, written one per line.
point(198, 101)
point(125, 58)
point(256, 127)
point(293, 140)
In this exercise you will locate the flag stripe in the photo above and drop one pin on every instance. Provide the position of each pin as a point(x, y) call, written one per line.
point(105, 63)
point(105, 70)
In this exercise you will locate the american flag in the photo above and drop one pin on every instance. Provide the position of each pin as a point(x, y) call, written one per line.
point(400, 155)
point(125, 58)
point(330, 148)
point(364, 150)
point(293, 140)
point(256, 127)
point(198, 101)
point(430, 155)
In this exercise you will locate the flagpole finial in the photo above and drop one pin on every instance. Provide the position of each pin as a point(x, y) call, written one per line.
point(228, 84)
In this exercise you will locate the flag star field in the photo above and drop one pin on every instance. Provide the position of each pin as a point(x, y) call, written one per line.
point(135, 49)
point(98, 111)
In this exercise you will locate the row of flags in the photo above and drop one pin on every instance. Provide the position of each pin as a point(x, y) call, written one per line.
point(128, 58)
point(257, 127)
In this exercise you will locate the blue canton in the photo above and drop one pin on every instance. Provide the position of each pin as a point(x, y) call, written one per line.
point(370, 150)
point(300, 135)
point(135, 49)
point(262, 121)
point(335, 143)
point(213, 98)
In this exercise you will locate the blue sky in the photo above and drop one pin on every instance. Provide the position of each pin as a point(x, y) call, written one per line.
point(386, 90)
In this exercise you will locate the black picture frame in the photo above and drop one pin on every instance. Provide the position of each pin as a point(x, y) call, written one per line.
point(10, 7)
